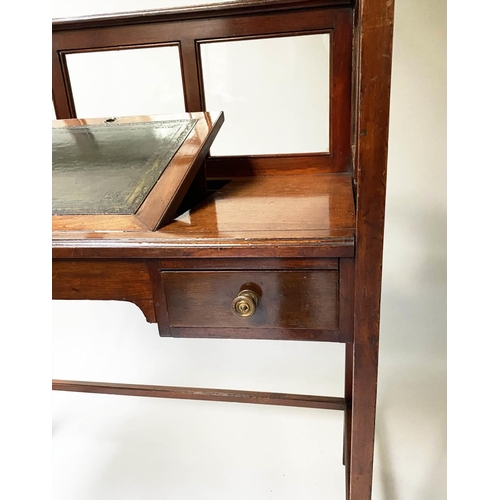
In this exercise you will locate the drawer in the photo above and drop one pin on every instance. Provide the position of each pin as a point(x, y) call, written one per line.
point(290, 300)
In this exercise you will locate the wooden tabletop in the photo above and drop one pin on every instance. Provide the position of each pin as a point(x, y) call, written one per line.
point(269, 216)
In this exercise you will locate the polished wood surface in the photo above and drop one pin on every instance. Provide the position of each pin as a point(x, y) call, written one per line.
point(374, 43)
point(104, 280)
point(263, 223)
point(228, 396)
point(162, 203)
point(287, 216)
point(193, 11)
point(249, 263)
point(288, 299)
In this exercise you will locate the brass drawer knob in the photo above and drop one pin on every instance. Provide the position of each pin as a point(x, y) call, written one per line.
point(245, 304)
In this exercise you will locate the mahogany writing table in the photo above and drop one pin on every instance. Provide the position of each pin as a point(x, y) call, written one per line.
point(290, 248)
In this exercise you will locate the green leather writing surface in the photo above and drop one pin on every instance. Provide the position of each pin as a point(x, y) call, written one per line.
point(111, 168)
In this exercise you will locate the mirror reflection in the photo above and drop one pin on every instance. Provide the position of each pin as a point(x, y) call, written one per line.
point(274, 93)
point(126, 82)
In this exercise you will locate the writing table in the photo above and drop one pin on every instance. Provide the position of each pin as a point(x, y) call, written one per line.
point(287, 239)
point(291, 247)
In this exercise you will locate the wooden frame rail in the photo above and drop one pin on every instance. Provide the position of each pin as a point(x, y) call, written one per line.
point(228, 396)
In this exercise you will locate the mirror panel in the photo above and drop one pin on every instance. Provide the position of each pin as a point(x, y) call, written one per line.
point(126, 82)
point(264, 88)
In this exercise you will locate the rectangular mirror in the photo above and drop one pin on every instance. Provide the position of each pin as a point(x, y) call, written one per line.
point(145, 81)
point(275, 94)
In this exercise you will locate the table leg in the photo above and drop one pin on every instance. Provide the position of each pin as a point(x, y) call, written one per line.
point(359, 467)
point(346, 458)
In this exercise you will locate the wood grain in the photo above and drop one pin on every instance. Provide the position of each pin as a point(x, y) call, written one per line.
point(374, 34)
point(228, 396)
point(346, 297)
point(158, 293)
point(104, 280)
point(289, 299)
point(302, 244)
point(297, 334)
point(161, 205)
point(193, 11)
point(286, 216)
point(253, 264)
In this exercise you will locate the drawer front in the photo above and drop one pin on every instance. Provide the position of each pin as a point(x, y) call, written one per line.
point(286, 299)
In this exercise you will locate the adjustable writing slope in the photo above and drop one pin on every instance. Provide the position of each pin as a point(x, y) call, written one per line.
point(126, 172)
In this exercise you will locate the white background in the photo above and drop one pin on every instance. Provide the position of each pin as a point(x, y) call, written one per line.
point(223, 448)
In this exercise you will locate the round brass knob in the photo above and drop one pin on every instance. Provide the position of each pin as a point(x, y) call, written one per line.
point(245, 304)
